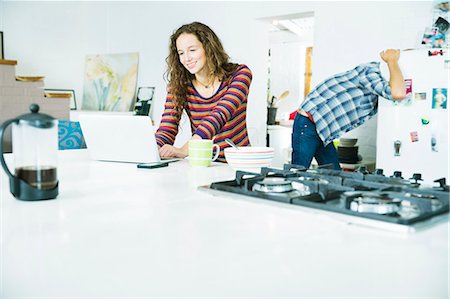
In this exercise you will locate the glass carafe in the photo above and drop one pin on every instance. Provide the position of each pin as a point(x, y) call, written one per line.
point(35, 148)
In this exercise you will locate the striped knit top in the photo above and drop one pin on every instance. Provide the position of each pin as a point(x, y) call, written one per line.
point(220, 116)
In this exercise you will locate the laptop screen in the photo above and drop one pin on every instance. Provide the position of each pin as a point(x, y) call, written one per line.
point(120, 138)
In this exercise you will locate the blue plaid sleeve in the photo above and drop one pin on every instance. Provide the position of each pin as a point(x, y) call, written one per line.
point(374, 82)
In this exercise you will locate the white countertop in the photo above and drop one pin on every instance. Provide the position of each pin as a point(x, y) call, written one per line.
point(118, 231)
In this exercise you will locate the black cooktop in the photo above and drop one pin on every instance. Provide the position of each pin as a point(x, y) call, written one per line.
point(369, 195)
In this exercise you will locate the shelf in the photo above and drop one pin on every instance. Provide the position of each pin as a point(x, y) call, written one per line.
point(8, 62)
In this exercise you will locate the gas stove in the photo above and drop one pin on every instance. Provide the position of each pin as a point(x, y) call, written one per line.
point(370, 198)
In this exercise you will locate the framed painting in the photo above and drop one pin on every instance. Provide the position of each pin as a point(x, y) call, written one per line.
point(2, 53)
point(110, 82)
point(144, 100)
point(62, 94)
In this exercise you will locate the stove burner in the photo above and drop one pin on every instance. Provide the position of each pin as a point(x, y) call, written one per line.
point(408, 210)
point(420, 195)
point(435, 202)
point(302, 189)
point(273, 185)
point(373, 202)
point(281, 187)
point(313, 179)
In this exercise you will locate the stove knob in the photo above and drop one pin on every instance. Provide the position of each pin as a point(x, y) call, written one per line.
point(417, 177)
point(363, 169)
point(379, 171)
point(397, 174)
point(442, 183)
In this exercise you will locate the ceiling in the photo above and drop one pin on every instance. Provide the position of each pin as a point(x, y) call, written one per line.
point(298, 26)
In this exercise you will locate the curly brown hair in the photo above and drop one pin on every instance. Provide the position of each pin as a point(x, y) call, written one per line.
point(217, 62)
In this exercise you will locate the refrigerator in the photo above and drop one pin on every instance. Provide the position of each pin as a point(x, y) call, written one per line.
point(413, 135)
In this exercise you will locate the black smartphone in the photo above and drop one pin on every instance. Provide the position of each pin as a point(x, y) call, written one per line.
point(153, 165)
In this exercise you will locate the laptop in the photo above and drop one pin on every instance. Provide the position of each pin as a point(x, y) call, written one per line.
point(120, 138)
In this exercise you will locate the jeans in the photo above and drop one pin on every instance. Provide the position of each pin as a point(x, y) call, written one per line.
point(307, 144)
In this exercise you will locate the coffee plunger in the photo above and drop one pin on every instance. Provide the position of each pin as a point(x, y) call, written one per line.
point(35, 149)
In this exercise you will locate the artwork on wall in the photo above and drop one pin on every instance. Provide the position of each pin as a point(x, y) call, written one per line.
point(110, 82)
point(2, 55)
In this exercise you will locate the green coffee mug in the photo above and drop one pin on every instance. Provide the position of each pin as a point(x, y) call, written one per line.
point(201, 152)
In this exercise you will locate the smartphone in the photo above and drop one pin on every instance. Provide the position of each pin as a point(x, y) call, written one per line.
point(153, 165)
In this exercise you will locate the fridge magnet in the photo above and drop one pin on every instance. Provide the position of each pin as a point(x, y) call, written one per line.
point(414, 136)
point(438, 41)
point(425, 120)
point(439, 98)
point(442, 5)
point(447, 63)
point(408, 98)
point(442, 25)
point(436, 52)
point(428, 35)
point(434, 143)
point(420, 96)
point(408, 86)
point(397, 146)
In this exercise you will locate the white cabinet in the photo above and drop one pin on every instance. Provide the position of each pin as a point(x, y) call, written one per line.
point(279, 137)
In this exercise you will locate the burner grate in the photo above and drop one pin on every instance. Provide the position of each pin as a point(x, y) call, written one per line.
point(372, 196)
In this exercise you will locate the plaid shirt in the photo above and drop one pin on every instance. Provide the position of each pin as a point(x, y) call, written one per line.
point(346, 100)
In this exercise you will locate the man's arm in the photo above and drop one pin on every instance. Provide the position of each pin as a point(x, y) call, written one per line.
point(396, 81)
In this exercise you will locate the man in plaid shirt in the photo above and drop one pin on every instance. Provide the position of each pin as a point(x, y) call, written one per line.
point(340, 104)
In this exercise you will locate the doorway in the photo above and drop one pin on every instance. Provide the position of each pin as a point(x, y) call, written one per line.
point(290, 68)
point(290, 60)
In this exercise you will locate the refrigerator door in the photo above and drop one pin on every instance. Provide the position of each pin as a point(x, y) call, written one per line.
point(412, 135)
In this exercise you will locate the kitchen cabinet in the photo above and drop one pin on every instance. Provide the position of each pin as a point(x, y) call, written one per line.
point(279, 137)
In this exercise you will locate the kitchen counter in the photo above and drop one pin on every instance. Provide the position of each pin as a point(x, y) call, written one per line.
point(118, 231)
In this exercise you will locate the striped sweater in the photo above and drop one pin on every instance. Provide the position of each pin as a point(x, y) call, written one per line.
point(220, 116)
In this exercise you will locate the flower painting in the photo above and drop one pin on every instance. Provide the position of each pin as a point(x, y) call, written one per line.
point(110, 82)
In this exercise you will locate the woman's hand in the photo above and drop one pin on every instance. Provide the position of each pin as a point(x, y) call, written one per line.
point(169, 151)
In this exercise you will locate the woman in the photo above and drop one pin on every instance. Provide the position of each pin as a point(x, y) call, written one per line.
point(211, 90)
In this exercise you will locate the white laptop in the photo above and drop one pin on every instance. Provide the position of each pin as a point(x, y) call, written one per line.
point(120, 138)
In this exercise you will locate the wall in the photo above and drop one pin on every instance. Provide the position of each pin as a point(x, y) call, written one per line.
point(356, 32)
point(286, 73)
point(52, 39)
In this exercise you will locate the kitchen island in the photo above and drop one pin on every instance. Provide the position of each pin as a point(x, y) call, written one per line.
point(116, 231)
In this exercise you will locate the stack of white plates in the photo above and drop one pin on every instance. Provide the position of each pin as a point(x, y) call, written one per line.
point(249, 158)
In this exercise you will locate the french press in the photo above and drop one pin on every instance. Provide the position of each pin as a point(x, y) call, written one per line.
point(35, 147)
